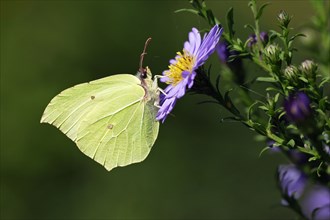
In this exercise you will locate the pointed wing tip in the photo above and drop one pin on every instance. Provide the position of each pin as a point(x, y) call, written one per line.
point(43, 117)
point(109, 168)
point(43, 120)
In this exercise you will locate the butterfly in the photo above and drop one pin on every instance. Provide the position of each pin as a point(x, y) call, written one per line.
point(113, 119)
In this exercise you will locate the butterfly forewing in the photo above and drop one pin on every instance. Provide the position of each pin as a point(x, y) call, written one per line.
point(109, 119)
point(67, 110)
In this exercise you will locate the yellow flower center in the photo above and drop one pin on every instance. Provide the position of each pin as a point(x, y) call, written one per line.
point(184, 62)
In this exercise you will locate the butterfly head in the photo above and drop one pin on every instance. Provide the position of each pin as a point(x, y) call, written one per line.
point(144, 73)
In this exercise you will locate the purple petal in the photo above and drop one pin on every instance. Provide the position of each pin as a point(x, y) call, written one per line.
point(192, 46)
point(223, 51)
point(190, 81)
point(292, 180)
point(185, 73)
point(178, 90)
point(316, 203)
point(164, 79)
point(208, 45)
point(165, 109)
point(173, 61)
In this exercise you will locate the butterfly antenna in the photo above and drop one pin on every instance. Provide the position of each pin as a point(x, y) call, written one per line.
point(141, 69)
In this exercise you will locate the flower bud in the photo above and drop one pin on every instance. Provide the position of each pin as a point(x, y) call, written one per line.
point(253, 39)
point(297, 107)
point(234, 63)
point(308, 68)
point(291, 73)
point(223, 51)
point(272, 53)
point(264, 37)
point(283, 18)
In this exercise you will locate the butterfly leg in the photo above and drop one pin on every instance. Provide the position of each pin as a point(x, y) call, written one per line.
point(155, 84)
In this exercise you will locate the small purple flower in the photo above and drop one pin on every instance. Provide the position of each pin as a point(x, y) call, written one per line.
point(315, 204)
point(253, 39)
point(182, 69)
point(292, 182)
point(297, 107)
point(223, 51)
point(264, 37)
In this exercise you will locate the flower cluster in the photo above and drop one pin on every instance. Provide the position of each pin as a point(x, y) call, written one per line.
point(292, 112)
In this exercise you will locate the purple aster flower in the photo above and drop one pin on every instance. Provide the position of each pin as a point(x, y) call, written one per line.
point(292, 182)
point(233, 63)
point(182, 69)
point(223, 51)
point(264, 37)
point(315, 203)
point(297, 107)
point(253, 39)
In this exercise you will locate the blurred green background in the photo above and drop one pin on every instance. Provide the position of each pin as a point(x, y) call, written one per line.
point(199, 168)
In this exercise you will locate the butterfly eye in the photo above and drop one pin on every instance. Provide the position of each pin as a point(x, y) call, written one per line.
point(143, 73)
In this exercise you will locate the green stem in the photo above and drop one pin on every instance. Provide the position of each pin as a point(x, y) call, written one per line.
point(256, 22)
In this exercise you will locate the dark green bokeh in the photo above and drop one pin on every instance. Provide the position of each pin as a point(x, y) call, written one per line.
point(199, 168)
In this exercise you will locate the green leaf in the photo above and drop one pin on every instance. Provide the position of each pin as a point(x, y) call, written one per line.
point(266, 79)
point(261, 10)
point(249, 110)
point(210, 17)
point(269, 89)
point(276, 97)
point(187, 10)
point(230, 105)
point(230, 119)
point(313, 158)
point(230, 22)
point(260, 138)
point(303, 79)
point(325, 117)
point(291, 143)
point(237, 47)
point(263, 107)
point(281, 115)
point(292, 126)
point(296, 35)
point(250, 27)
point(324, 81)
point(264, 150)
point(195, 4)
